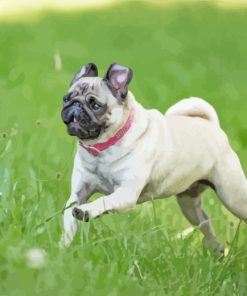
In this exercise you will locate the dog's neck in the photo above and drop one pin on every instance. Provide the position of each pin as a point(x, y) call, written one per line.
point(106, 134)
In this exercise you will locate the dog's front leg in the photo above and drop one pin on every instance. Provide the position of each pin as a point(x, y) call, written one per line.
point(69, 222)
point(81, 191)
point(121, 200)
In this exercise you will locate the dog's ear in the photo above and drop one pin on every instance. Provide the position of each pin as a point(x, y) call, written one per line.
point(89, 70)
point(117, 78)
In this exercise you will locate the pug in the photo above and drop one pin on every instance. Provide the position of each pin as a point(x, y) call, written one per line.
point(133, 155)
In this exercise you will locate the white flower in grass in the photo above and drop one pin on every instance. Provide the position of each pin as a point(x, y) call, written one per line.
point(36, 258)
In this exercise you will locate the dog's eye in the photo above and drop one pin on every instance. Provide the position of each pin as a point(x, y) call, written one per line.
point(93, 104)
point(96, 106)
point(66, 98)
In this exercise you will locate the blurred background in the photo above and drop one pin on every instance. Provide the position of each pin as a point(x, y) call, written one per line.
point(176, 49)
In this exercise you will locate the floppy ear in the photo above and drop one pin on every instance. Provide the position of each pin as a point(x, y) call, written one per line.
point(117, 78)
point(89, 70)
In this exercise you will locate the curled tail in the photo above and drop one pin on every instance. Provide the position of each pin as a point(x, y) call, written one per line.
point(194, 107)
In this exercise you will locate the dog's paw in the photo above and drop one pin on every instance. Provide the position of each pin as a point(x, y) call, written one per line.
point(215, 248)
point(80, 215)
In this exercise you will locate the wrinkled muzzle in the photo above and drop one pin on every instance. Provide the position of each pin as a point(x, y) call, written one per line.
point(79, 122)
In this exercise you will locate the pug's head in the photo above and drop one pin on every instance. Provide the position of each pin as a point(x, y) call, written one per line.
point(95, 105)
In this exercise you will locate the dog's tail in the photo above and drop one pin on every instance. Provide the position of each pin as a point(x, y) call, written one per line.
point(194, 107)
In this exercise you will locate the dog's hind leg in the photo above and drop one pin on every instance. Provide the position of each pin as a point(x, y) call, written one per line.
point(231, 184)
point(191, 206)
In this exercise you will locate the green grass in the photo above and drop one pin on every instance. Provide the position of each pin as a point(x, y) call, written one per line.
point(175, 52)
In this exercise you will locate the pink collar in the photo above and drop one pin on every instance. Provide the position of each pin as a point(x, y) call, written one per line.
point(96, 148)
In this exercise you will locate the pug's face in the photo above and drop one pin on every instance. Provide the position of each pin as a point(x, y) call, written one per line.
point(89, 104)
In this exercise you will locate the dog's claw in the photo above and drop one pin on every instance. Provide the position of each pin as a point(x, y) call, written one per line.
point(80, 215)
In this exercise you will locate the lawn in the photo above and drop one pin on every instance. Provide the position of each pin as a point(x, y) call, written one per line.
point(175, 52)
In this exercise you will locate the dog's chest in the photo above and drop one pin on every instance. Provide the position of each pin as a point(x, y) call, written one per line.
point(105, 179)
point(107, 174)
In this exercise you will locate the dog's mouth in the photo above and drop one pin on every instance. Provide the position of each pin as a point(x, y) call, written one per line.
point(80, 125)
point(73, 121)
point(74, 128)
